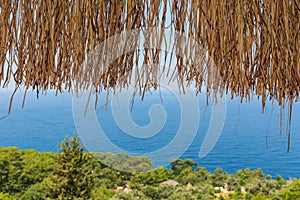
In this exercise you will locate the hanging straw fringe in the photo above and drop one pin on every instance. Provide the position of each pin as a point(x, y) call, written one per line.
point(255, 45)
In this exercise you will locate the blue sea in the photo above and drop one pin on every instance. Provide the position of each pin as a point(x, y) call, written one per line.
point(249, 138)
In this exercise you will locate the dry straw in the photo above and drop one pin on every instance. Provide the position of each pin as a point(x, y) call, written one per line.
point(255, 44)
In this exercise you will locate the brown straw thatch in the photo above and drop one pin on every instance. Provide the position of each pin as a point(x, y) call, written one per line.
point(255, 44)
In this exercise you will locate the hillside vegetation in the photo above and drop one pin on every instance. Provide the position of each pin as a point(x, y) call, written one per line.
point(75, 174)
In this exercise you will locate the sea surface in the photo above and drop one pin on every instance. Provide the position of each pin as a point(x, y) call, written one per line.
point(249, 139)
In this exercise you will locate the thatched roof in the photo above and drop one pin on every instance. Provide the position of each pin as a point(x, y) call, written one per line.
point(255, 44)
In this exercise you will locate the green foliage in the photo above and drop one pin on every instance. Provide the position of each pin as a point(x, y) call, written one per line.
point(136, 195)
point(101, 193)
point(37, 166)
point(72, 177)
point(21, 169)
point(150, 192)
point(280, 180)
point(74, 174)
point(4, 169)
point(237, 195)
point(218, 178)
point(182, 194)
point(35, 192)
point(11, 170)
point(294, 191)
point(233, 183)
point(260, 196)
point(124, 162)
point(178, 165)
point(153, 177)
point(6, 196)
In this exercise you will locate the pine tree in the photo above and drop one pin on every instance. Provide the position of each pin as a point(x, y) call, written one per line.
point(72, 174)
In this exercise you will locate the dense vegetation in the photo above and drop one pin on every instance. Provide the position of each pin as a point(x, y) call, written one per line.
point(75, 174)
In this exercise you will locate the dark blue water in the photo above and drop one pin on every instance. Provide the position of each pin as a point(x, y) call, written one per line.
point(44, 123)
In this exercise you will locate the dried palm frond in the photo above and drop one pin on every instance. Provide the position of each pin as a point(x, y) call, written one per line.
point(255, 45)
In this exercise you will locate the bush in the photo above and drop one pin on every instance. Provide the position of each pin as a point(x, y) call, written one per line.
point(35, 192)
point(294, 191)
point(4, 196)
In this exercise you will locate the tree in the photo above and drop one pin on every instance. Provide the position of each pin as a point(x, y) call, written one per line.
point(219, 177)
point(182, 194)
point(35, 192)
point(101, 193)
point(294, 191)
point(11, 166)
point(72, 176)
point(4, 170)
point(5, 196)
point(123, 162)
point(153, 177)
point(36, 167)
point(178, 165)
